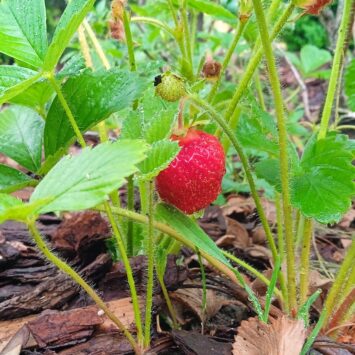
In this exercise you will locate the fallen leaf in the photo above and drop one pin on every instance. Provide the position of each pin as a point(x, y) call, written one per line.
point(283, 336)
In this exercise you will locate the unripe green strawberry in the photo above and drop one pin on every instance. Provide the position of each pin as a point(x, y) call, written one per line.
point(169, 87)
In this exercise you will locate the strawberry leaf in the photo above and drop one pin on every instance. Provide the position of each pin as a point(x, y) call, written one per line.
point(349, 84)
point(21, 131)
point(323, 185)
point(92, 97)
point(159, 157)
point(85, 180)
point(14, 80)
point(189, 230)
point(12, 179)
point(23, 33)
point(72, 17)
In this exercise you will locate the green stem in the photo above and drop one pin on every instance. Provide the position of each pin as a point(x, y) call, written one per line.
point(170, 231)
point(338, 285)
point(305, 255)
point(142, 185)
point(168, 301)
point(300, 230)
point(204, 289)
point(129, 41)
point(186, 29)
point(153, 22)
point(334, 76)
point(226, 60)
point(229, 133)
point(253, 271)
point(97, 45)
point(173, 13)
point(281, 123)
point(254, 62)
point(79, 280)
point(233, 123)
point(259, 90)
point(150, 254)
point(130, 206)
point(127, 265)
point(67, 110)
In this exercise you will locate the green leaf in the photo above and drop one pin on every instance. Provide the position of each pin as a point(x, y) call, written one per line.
point(257, 130)
point(72, 66)
point(21, 131)
point(349, 84)
point(153, 121)
point(160, 125)
point(269, 170)
point(159, 157)
point(12, 179)
point(23, 33)
point(189, 230)
point(211, 8)
point(92, 97)
point(13, 209)
point(85, 180)
point(313, 58)
point(71, 19)
point(36, 96)
point(323, 185)
point(14, 80)
point(132, 127)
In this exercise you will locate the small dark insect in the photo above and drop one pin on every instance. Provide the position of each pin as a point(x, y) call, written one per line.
point(157, 80)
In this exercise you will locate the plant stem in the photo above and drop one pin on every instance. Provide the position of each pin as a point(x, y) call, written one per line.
point(254, 62)
point(229, 133)
point(79, 280)
point(84, 46)
point(67, 110)
point(186, 29)
point(204, 289)
point(281, 123)
point(150, 254)
point(233, 123)
point(259, 90)
point(300, 226)
point(226, 60)
point(305, 255)
point(170, 231)
point(168, 301)
point(153, 22)
point(173, 13)
point(130, 279)
point(252, 270)
point(129, 40)
point(130, 206)
point(336, 66)
point(142, 185)
point(338, 285)
point(97, 45)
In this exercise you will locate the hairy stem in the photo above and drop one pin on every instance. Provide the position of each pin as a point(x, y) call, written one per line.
point(130, 279)
point(229, 133)
point(130, 206)
point(338, 285)
point(67, 110)
point(60, 264)
point(226, 60)
point(336, 67)
point(254, 62)
point(281, 123)
point(150, 254)
point(97, 45)
point(305, 255)
point(129, 41)
point(187, 40)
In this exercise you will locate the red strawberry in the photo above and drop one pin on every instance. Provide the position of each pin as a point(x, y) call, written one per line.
point(193, 180)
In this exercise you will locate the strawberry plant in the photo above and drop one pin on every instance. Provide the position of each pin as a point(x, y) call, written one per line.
point(176, 123)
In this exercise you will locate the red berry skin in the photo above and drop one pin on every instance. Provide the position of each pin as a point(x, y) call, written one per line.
point(193, 179)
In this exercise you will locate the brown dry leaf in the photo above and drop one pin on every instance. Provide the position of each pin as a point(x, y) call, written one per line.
point(283, 336)
point(259, 252)
point(238, 204)
point(348, 219)
point(191, 299)
point(258, 235)
point(239, 231)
